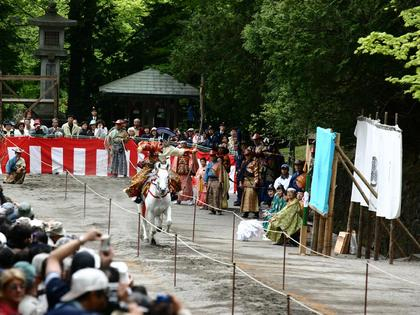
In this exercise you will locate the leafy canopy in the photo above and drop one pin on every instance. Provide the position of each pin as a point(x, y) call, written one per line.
point(405, 47)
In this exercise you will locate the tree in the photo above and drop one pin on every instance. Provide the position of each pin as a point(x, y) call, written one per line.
point(314, 78)
point(211, 45)
point(405, 47)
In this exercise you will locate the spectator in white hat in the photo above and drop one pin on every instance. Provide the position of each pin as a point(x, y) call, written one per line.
point(87, 295)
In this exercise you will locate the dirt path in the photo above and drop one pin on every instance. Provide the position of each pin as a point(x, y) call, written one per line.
point(330, 286)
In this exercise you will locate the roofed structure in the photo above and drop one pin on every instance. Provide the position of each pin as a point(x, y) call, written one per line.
point(150, 82)
point(150, 95)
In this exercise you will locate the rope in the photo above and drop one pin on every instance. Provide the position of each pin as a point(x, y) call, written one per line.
point(218, 209)
point(392, 275)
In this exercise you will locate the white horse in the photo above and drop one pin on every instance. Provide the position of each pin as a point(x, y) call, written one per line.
point(157, 202)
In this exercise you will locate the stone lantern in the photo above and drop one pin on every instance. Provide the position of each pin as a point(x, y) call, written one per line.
point(51, 49)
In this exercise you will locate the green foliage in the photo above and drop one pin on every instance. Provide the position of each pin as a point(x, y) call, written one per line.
point(405, 47)
point(313, 76)
point(211, 45)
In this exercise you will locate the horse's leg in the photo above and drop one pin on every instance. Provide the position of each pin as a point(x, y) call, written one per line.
point(159, 222)
point(168, 216)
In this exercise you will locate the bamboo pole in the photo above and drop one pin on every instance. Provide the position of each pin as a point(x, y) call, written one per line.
point(408, 233)
point(402, 252)
point(330, 218)
point(349, 162)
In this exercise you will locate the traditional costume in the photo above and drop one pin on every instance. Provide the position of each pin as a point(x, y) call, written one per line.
point(214, 180)
point(201, 186)
point(16, 169)
point(185, 166)
point(116, 139)
point(289, 220)
point(250, 179)
point(277, 205)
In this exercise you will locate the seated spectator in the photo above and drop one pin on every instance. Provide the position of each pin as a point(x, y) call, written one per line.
point(92, 128)
point(20, 131)
point(83, 130)
point(15, 169)
point(101, 130)
point(131, 133)
point(284, 178)
point(138, 130)
point(38, 130)
point(153, 134)
point(146, 134)
point(12, 291)
point(8, 129)
point(28, 126)
point(70, 128)
point(289, 219)
point(279, 202)
point(55, 130)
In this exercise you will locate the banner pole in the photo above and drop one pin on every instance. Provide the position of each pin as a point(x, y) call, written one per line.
point(176, 250)
point(65, 190)
point(84, 202)
point(194, 215)
point(109, 215)
point(233, 235)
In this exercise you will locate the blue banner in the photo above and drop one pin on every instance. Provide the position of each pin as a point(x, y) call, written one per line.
point(321, 178)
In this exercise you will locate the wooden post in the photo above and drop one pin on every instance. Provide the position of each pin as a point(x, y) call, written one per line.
point(175, 257)
point(284, 260)
point(330, 218)
point(408, 233)
point(315, 227)
point(360, 232)
point(233, 235)
point(109, 215)
point(391, 242)
point(321, 233)
point(233, 287)
point(65, 189)
point(84, 202)
point(349, 229)
point(138, 235)
point(194, 215)
point(402, 252)
point(366, 287)
point(368, 233)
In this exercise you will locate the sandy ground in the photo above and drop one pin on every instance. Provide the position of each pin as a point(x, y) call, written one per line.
point(329, 286)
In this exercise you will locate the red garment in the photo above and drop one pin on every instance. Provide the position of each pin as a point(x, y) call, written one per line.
point(7, 309)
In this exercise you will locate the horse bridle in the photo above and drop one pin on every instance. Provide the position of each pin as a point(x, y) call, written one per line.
point(153, 182)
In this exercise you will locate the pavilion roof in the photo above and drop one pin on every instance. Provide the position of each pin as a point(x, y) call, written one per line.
point(149, 82)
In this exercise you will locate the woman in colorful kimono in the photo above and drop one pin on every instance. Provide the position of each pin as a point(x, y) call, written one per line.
point(288, 220)
point(201, 185)
point(276, 206)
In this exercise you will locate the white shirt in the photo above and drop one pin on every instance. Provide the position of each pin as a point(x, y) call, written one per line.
point(282, 181)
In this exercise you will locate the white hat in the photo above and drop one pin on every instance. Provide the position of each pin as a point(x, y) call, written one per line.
point(86, 280)
point(122, 270)
point(154, 128)
point(3, 239)
point(37, 262)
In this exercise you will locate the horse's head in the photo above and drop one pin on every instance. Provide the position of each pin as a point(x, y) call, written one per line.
point(162, 181)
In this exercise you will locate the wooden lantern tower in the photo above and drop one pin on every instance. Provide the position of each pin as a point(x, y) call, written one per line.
point(51, 49)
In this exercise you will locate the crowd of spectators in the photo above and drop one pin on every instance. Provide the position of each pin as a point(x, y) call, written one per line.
point(45, 270)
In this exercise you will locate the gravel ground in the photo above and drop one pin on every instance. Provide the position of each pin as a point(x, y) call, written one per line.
point(205, 287)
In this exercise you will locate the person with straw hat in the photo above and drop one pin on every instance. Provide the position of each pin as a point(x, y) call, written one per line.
point(15, 168)
point(115, 142)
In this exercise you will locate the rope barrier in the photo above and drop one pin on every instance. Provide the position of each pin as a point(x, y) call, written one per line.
point(219, 261)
